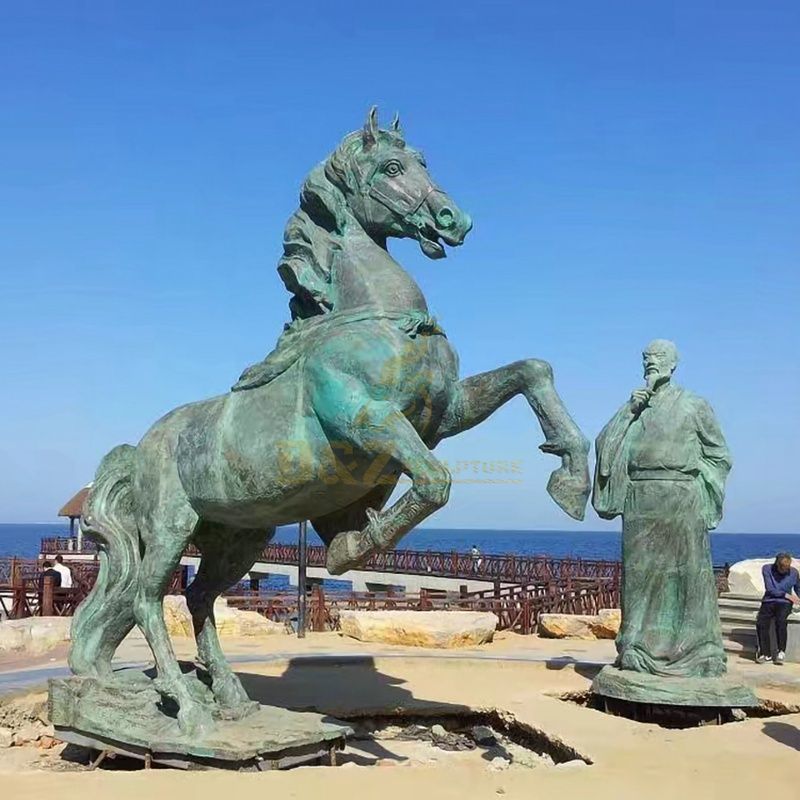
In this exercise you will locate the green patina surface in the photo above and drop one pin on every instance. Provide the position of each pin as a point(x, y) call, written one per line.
point(662, 462)
point(360, 389)
point(96, 708)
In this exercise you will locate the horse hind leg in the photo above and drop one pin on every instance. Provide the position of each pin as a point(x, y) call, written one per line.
point(227, 555)
point(164, 545)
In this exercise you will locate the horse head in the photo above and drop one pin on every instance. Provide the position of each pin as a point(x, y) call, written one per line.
point(389, 191)
point(375, 181)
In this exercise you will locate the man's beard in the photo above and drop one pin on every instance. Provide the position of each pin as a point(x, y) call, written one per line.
point(655, 377)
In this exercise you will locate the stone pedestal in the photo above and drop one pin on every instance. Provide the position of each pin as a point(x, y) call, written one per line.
point(129, 716)
point(641, 687)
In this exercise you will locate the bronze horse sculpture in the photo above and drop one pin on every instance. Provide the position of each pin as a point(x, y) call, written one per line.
point(361, 386)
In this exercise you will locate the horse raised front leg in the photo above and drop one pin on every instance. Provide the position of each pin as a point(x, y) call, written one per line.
point(382, 432)
point(479, 396)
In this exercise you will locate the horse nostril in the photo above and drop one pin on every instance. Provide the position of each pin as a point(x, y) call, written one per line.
point(445, 217)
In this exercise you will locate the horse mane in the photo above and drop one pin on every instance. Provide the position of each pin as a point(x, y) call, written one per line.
point(312, 234)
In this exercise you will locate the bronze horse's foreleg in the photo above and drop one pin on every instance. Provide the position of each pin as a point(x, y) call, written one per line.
point(227, 554)
point(481, 395)
point(382, 433)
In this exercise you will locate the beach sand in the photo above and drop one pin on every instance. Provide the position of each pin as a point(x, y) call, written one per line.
point(515, 674)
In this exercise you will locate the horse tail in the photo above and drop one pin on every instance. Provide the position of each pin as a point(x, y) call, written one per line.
point(106, 616)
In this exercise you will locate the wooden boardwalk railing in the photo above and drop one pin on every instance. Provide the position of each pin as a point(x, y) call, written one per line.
point(505, 568)
point(517, 611)
point(536, 585)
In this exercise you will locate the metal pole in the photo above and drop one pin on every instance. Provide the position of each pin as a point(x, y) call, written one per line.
point(302, 553)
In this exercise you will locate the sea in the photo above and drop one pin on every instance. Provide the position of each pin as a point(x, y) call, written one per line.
point(23, 540)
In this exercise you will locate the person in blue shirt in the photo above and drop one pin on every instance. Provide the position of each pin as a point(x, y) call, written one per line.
point(781, 587)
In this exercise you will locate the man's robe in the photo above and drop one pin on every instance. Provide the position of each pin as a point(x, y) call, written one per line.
point(664, 471)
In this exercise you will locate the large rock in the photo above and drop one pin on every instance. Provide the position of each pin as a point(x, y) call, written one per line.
point(34, 635)
point(230, 621)
point(440, 629)
point(177, 617)
point(566, 626)
point(607, 622)
point(745, 577)
point(603, 625)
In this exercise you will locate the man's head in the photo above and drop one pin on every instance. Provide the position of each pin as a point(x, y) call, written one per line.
point(59, 559)
point(659, 360)
point(47, 565)
point(783, 563)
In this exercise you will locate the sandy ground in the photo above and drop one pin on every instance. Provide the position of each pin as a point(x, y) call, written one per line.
point(521, 675)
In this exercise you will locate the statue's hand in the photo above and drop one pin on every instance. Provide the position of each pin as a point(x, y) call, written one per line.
point(639, 398)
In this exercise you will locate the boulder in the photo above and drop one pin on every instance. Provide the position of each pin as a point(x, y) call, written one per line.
point(6, 737)
point(603, 625)
point(230, 621)
point(233, 622)
point(33, 635)
point(607, 622)
point(177, 616)
point(438, 629)
point(566, 626)
point(745, 577)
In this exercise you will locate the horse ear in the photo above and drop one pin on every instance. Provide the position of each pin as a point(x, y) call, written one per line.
point(396, 124)
point(396, 127)
point(370, 135)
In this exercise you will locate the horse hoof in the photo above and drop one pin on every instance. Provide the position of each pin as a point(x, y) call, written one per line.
point(229, 694)
point(240, 711)
point(347, 551)
point(194, 718)
point(570, 491)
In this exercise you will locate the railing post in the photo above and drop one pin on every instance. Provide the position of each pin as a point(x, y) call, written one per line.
point(526, 616)
point(17, 590)
point(302, 553)
point(47, 607)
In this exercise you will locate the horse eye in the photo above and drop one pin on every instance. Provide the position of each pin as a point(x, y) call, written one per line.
point(392, 168)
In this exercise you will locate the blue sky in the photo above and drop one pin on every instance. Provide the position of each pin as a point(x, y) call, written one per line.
point(632, 168)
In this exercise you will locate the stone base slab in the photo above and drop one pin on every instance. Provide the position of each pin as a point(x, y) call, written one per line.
point(641, 687)
point(129, 716)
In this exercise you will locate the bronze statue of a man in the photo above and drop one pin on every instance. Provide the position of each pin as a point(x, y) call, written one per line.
point(662, 463)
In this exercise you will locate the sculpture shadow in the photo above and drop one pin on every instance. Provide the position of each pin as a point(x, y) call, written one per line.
point(784, 733)
point(583, 668)
point(350, 688)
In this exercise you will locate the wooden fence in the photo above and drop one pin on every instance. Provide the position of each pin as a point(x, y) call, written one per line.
point(517, 608)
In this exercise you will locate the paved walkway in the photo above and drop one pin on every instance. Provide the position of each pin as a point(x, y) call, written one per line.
point(325, 649)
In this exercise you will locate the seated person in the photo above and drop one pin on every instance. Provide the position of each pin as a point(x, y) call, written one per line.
point(781, 586)
point(49, 572)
